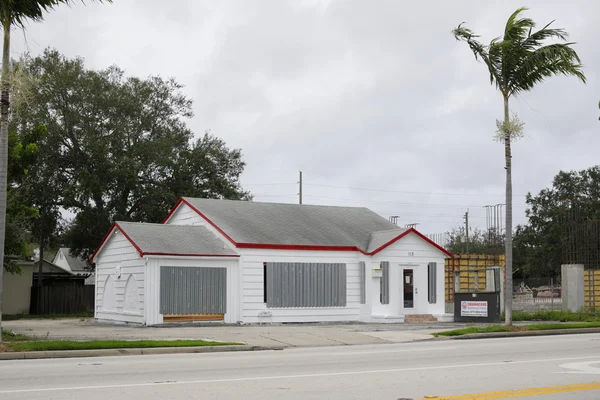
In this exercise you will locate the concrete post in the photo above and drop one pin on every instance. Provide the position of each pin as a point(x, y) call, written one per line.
point(490, 283)
point(572, 287)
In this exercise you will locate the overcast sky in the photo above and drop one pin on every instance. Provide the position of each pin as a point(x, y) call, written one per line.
point(374, 101)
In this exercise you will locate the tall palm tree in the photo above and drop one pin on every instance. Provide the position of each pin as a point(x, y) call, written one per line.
point(13, 13)
point(516, 63)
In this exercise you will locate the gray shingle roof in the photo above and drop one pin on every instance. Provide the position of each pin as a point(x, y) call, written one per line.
point(380, 238)
point(50, 268)
point(75, 263)
point(293, 224)
point(174, 239)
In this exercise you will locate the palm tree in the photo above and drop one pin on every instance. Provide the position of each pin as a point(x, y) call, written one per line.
point(516, 63)
point(13, 13)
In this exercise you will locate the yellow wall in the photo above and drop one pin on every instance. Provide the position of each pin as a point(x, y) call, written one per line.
point(591, 284)
point(17, 292)
point(469, 281)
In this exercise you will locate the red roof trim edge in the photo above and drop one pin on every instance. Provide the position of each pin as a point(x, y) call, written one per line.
point(104, 239)
point(149, 253)
point(270, 246)
point(187, 203)
point(416, 232)
point(140, 252)
point(172, 211)
point(110, 231)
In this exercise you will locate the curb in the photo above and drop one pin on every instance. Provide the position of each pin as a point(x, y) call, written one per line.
point(30, 355)
point(549, 332)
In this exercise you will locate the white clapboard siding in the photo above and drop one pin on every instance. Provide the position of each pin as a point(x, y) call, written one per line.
point(253, 295)
point(415, 253)
point(119, 254)
point(184, 215)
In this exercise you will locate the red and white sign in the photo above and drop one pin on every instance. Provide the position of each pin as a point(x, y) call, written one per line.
point(473, 308)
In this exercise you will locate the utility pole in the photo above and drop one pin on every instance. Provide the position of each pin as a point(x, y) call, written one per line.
point(467, 229)
point(300, 191)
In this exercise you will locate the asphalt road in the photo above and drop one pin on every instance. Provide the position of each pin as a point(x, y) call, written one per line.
point(564, 367)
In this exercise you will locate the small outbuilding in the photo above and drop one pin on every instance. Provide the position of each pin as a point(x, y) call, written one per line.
point(251, 262)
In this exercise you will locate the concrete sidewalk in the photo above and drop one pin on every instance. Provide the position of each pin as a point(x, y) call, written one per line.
point(288, 335)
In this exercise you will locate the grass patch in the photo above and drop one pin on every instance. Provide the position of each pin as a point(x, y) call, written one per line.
point(15, 317)
point(560, 316)
point(468, 331)
point(50, 345)
point(544, 327)
point(503, 328)
point(8, 336)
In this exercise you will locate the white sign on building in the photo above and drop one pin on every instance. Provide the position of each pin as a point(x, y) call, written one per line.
point(474, 308)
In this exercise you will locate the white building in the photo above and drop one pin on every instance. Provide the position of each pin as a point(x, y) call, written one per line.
point(249, 262)
point(75, 265)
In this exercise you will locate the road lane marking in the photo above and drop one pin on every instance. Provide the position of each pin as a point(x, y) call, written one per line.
point(582, 367)
point(507, 394)
point(299, 376)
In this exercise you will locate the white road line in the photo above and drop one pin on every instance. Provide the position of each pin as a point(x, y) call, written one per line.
point(265, 378)
point(366, 352)
point(586, 367)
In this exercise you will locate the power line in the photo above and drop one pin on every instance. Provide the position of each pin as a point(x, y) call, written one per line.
point(399, 203)
point(276, 195)
point(409, 192)
point(270, 184)
point(407, 214)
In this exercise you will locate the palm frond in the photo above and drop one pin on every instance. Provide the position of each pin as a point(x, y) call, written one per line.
point(546, 61)
point(536, 39)
point(520, 60)
point(517, 28)
point(479, 50)
point(18, 12)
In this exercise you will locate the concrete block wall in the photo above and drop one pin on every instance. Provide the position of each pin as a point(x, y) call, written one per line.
point(472, 280)
point(591, 285)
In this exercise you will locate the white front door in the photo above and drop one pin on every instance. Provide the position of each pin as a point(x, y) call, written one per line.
point(408, 288)
point(412, 289)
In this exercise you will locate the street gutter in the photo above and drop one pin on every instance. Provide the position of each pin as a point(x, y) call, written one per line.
point(30, 355)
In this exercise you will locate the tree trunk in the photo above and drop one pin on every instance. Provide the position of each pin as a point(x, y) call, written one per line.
point(4, 106)
point(508, 226)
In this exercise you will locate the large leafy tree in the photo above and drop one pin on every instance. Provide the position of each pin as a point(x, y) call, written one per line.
point(517, 62)
point(23, 154)
point(573, 199)
point(477, 242)
point(13, 13)
point(118, 148)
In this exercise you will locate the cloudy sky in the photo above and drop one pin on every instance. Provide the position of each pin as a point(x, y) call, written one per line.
point(374, 101)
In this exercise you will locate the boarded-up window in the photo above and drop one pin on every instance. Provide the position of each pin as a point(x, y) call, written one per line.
point(385, 282)
point(432, 279)
point(362, 281)
point(193, 290)
point(306, 285)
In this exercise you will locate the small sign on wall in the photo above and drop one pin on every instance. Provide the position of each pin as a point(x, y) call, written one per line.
point(377, 273)
point(474, 308)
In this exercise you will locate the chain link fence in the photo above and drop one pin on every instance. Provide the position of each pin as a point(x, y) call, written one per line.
point(536, 294)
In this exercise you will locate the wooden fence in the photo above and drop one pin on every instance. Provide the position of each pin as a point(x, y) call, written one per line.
point(70, 298)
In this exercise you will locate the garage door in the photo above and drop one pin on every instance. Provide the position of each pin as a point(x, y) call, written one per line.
point(193, 294)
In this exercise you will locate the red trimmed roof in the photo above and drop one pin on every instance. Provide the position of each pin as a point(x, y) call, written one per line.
point(169, 240)
point(286, 246)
